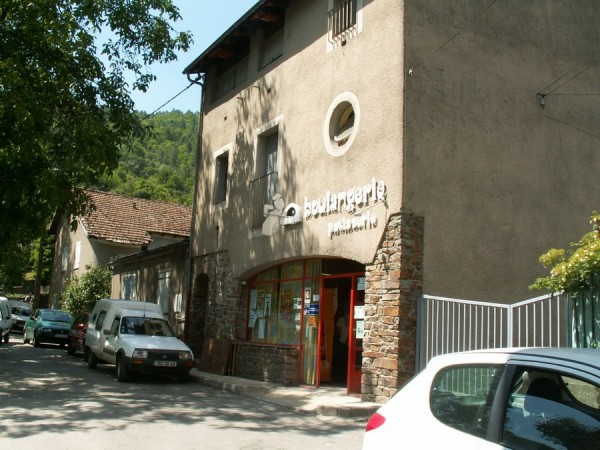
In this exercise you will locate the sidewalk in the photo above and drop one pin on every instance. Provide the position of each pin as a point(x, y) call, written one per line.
point(324, 401)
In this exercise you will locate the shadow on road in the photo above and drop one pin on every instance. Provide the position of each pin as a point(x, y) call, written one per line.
point(46, 390)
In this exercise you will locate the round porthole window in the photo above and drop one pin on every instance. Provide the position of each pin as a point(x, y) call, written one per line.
point(341, 124)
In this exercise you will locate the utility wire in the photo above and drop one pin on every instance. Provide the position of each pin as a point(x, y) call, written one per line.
point(569, 80)
point(458, 33)
point(171, 99)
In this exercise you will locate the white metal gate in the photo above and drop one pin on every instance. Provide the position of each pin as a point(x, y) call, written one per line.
point(451, 325)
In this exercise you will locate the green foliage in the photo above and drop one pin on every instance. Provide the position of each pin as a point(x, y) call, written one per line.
point(570, 270)
point(66, 114)
point(159, 166)
point(83, 292)
point(13, 264)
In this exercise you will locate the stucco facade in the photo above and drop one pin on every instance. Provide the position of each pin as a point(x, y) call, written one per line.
point(159, 277)
point(451, 178)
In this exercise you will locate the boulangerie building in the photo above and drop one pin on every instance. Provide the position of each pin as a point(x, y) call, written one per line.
point(357, 154)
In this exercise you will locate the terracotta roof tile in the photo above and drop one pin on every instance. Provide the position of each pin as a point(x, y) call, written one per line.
point(128, 220)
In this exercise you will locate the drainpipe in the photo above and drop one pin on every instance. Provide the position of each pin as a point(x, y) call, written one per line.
point(190, 253)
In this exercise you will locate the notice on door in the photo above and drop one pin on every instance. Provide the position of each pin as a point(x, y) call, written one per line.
point(360, 329)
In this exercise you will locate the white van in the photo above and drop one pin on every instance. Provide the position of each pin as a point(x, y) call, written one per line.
point(135, 337)
point(5, 320)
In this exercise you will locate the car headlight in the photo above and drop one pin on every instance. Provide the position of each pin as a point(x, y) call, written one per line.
point(185, 355)
point(143, 354)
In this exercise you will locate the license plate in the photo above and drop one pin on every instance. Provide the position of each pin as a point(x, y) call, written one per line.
point(165, 363)
point(61, 336)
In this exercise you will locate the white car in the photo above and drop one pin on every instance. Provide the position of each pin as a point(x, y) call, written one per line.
point(521, 398)
point(5, 320)
point(135, 337)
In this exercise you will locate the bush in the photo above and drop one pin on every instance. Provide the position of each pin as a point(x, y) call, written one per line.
point(571, 269)
point(83, 292)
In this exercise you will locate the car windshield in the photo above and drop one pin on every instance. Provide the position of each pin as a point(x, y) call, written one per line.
point(55, 316)
point(146, 326)
point(21, 311)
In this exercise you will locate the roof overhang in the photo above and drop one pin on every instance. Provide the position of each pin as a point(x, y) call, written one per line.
point(235, 41)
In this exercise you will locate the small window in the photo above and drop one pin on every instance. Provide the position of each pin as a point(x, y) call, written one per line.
point(341, 124)
point(272, 48)
point(129, 286)
point(344, 21)
point(77, 255)
point(547, 409)
point(462, 396)
point(164, 290)
point(231, 76)
point(221, 176)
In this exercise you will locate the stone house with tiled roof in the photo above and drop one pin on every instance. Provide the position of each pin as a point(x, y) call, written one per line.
point(120, 227)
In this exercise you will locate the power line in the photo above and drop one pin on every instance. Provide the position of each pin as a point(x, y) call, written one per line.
point(171, 99)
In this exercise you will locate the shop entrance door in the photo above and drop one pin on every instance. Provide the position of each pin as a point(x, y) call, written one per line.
point(340, 332)
point(357, 330)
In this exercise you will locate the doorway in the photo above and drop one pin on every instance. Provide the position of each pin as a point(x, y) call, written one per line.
point(341, 331)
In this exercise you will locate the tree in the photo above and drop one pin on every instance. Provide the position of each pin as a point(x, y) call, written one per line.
point(83, 292)
point(571, 270)
point(65, 106)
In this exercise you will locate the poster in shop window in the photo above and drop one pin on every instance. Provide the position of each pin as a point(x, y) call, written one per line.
point(260, 304)
point(252, 310)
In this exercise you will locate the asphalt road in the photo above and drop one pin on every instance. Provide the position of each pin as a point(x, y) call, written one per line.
point(51, 400)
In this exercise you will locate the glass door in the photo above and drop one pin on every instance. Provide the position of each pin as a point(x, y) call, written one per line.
point(357, 330)
point(310, 333)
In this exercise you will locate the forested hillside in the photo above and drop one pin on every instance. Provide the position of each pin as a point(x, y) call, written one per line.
point(160, 167)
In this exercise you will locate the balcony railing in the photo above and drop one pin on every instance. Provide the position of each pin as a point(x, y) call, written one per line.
point(262, 190)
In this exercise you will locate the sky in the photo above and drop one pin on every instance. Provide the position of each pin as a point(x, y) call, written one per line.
point(207, 20)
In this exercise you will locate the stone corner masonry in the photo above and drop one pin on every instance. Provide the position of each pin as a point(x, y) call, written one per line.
point(393, 286)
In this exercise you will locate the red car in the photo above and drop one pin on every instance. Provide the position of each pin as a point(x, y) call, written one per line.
point(77, 333)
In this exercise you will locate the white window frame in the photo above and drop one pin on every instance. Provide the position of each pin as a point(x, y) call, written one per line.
point(125, 278)
point(77, 255)
point(164, 290)
point(260, 133)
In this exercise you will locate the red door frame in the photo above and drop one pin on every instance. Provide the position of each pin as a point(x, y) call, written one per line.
point(354, 375)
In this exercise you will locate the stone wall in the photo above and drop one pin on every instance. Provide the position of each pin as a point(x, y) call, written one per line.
point(217, 308)
point(393, 286)
point(267, 363)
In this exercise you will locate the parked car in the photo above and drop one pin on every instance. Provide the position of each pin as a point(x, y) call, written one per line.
point(135, 337)
point(76, 340)
point(47, 326)
point(20, 313)
point(512, 398)
point(5, 320)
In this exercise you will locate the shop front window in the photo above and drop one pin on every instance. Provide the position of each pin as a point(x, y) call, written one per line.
point(276, 300)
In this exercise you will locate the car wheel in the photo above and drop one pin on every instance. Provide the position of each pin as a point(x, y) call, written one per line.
point(92, 361)
point(122, 370)
point(25, 340)
point(35, 341)
point(6, 337)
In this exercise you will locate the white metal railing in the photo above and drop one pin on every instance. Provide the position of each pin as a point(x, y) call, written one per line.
point(449, 325)
point(342, 19)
